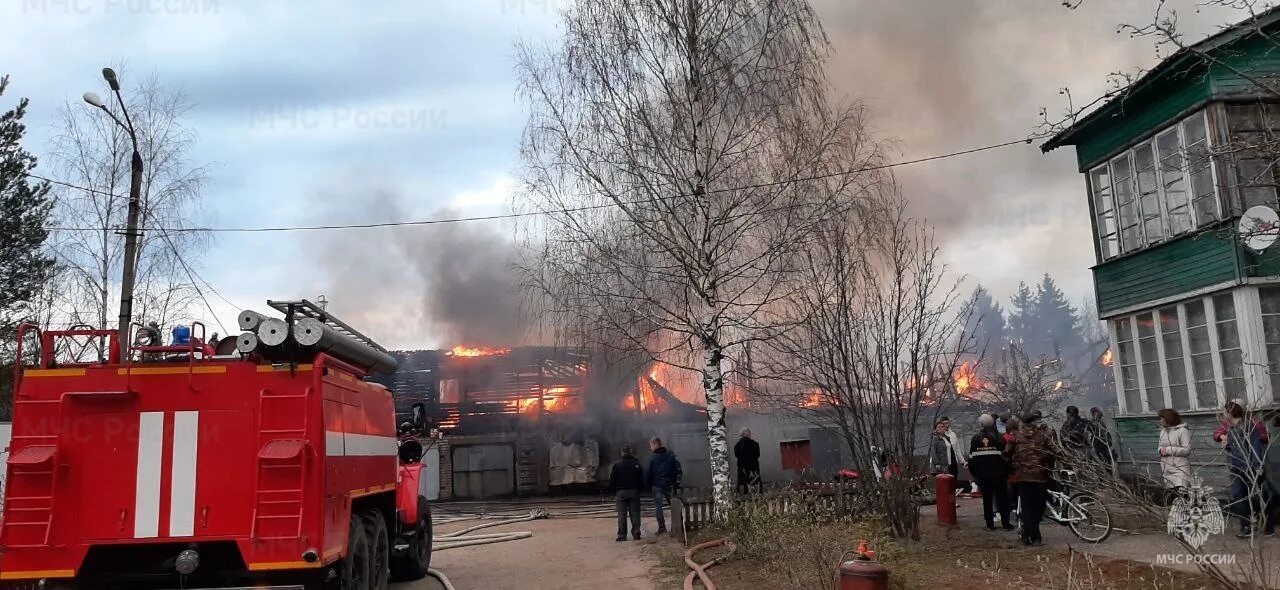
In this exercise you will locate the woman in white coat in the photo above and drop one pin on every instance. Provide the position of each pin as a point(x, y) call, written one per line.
point(1175, 449)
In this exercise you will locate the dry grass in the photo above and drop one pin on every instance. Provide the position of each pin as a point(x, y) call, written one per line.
point(784, 554)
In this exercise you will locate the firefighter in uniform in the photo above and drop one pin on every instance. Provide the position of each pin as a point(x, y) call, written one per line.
point(991, 470)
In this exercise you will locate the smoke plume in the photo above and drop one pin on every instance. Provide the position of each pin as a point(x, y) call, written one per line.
point(470, 293)
point(423, 286)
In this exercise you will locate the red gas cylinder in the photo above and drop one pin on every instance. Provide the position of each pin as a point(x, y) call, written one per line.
point(946, 490)
point(862, 573)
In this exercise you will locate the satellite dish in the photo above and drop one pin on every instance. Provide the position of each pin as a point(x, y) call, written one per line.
point(1260, 227)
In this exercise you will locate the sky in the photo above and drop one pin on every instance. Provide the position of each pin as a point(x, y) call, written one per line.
point(339, 111)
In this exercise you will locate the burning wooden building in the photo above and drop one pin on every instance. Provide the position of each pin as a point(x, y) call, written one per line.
point(534, 419)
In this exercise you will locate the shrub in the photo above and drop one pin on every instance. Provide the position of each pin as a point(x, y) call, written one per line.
point(801, 538)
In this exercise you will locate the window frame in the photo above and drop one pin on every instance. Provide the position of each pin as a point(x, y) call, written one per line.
point(1215, 339)
point(1183, 334)
point(1119, 363)
point(1104, 209)
point(1266, 113)
point(1141, 240)
point(1272, 377)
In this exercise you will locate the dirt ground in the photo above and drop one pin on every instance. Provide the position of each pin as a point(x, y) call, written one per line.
point(1143, 541)
point(564, 553)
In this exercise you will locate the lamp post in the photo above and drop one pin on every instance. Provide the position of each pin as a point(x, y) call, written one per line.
point(134, 210)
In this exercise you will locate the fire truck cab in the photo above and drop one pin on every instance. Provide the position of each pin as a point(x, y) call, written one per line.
point(189, 469)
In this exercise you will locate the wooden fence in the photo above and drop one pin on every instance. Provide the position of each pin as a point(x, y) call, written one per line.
point(696, 506)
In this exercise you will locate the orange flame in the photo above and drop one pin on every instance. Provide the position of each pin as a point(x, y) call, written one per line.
point(553, 400)
point(477, 351)
point(966, 379)
point(814, 399)
point(1107, 361)
point(683, 384)
point(644, 399)
point(735, 396)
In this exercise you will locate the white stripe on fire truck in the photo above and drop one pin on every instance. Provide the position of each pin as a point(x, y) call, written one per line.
point(182, 500)
point(146, 506)
point(363, 445)
point(333, 446)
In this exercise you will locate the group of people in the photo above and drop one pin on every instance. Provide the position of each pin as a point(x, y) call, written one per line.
point(1246, 443)
point(1012, 459)
point(629, 480)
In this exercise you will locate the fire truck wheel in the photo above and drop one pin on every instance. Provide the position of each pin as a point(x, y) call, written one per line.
point(414, 562)
point(353, 574)
point(375, 527)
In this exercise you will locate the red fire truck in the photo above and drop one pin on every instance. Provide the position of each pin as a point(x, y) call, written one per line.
point(190, 467)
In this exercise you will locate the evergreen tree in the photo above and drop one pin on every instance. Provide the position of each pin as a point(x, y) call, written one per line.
point(987, 325)
point(1059, 327)
point(25, 266)
point(1021, 328)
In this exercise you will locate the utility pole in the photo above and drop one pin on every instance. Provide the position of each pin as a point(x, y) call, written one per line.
point(134, 211)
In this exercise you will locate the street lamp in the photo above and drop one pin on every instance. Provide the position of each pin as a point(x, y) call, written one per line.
point(135, 207)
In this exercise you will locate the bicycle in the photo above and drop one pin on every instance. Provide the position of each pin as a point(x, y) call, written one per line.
point(1083, 512)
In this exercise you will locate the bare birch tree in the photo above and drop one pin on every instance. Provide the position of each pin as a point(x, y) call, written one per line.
point(880, 331)
point(685, 150)
point(91, 151)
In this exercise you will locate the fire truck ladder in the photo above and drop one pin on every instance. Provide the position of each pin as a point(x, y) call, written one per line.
point(303, 308)
point(34, 471)
point(282, 465)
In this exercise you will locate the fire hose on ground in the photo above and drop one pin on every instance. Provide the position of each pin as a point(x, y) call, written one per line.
point(594, 510)
point(443, 579)
point(463, 538)
point(468, 538)
point(699, 572)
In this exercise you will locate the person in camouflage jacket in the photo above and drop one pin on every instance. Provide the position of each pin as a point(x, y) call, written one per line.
point(1032, 455)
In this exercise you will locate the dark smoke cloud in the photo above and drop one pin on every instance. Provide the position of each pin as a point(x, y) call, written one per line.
point(470, 291)
point(418, 286)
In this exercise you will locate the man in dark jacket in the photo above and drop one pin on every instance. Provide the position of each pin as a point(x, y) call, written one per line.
point(1245, 440)
point(1100, 436)
point(626, 479)
point(747, 452)
point(991, 470)
point(1032, 455)
point(1075, 432)
point(664, 477)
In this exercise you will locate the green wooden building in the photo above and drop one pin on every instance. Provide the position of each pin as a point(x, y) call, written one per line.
point(1170, 166)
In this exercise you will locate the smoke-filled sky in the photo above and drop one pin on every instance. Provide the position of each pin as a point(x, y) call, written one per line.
point(338, 111)
point(953, 74)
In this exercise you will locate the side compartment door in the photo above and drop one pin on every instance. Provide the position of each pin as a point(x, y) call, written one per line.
point(118, 489)
point(224, 473)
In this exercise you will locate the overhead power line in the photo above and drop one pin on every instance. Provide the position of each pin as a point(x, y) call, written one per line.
point(69, 185)
point(501, 216)
point(192, 277)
